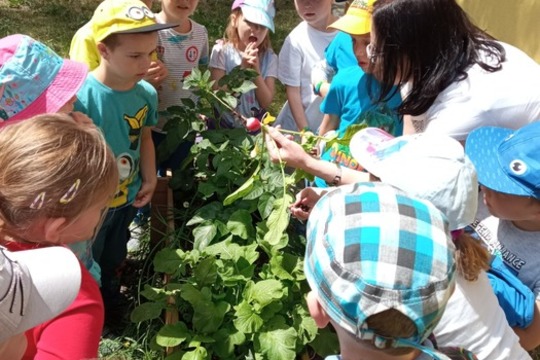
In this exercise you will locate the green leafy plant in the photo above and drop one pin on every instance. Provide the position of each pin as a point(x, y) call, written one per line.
point(235, 261)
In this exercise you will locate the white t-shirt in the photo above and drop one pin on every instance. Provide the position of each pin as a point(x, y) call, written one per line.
point(507, 98)
point(302, 49)
point(474, 321)
point(226, 57)
point(180, 53)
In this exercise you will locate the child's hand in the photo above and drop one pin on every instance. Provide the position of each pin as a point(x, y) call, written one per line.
point(145, 193)
point(250, 57)
point(305, 201)
point(156, 73)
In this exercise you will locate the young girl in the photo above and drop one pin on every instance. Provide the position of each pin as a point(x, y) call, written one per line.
point(56, 181)
point(247, 44)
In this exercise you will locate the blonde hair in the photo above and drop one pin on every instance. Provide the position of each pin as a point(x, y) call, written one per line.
point(470, 256)
point(231, 33)
point(52, 167)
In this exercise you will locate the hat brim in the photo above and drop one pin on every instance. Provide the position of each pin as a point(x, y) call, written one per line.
point(363, 145)
point(55, 281)
point(356, 23)
point(146, 29)
point(63, 88)
point(482, 149)
point(257, 16)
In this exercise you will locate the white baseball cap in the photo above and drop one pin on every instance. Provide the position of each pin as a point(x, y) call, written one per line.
point(428, 166)
point(35, 286)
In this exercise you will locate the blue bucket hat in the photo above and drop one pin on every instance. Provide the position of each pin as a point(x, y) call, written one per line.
point(371, 248)
point(506, 160)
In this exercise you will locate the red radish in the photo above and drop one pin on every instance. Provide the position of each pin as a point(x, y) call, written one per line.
point(253, 124)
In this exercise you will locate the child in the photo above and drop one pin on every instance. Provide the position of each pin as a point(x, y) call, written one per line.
point(124, 108)
point(51, 278)
point(439, 172)
point(181, 49)
point(508, 167)
point(380, 267)
point(247, 44)
point(348, 101)
point(302, 49)
point(56, 182)
point(22, 60)
point(83, 48)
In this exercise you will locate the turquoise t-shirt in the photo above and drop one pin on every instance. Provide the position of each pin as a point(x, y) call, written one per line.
point(121, 115)
point(339, 54)
point(349, 100)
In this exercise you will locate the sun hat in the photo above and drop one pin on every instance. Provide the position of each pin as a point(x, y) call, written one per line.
point(34, 79)
point(259, 12)
point(507, 161)
point(35, 286)
point(357, 19)
point(371, 248)
point(124, 17)
point(428, 166)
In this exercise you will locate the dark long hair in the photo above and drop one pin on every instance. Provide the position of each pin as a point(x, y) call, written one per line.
point(431, 43)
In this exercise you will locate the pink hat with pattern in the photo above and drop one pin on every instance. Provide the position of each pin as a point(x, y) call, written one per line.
point(34, 79)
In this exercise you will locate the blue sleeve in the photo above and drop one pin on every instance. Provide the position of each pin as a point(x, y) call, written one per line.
point(516, 299)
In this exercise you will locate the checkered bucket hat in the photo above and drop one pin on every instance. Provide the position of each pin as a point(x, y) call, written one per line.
point(372, 248)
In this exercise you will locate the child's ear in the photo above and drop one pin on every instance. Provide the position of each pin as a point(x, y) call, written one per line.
point(102, 49)
point(53, 228)
point(316, 310)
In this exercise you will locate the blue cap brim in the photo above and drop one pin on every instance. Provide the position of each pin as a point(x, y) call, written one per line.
point(482, 149)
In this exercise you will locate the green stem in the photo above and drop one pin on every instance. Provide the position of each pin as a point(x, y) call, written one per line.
point(300, 133)
point(211, 93)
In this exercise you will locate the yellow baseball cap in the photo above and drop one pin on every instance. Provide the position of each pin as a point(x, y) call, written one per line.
point(124, 17)
point(357, 19)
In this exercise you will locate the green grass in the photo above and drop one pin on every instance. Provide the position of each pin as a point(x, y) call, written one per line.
point(55, 21)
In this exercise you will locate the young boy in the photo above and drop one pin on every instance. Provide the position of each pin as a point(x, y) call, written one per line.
point(181, 49)
point(302, 49)
point(83, 48)
point(381, 270)
point(124, 106)
point(508, 167)
point(348, 100)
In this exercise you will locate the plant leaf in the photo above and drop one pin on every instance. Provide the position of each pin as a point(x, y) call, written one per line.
point(168, 261)
point(146, 311)
point(240, 224)
point(172, 334)
point(279, 344)
point(247, 321)
point(203, 235)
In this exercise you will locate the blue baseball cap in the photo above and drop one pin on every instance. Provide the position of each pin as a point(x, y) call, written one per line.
point(371, 248)
point(506, 160)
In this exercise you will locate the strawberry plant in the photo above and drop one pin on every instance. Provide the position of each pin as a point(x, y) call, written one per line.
point(235, 262)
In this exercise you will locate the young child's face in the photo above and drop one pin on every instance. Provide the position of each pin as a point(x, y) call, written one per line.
point(179, 9)
point(131, 58)
point(249, 32)
point(313, 11)
point(360, 42)
point(86, 225)
point(510, 207)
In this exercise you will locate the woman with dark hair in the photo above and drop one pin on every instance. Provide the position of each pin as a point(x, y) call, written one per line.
point(454, 77)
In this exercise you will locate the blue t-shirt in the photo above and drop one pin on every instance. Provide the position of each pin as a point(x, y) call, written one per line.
point(121, 115)
point(348, 99)
point(339, 54)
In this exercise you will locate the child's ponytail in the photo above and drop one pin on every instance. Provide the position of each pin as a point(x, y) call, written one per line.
point(471, 256)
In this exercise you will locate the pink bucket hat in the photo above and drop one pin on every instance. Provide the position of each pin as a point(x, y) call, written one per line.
point(34, 79)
